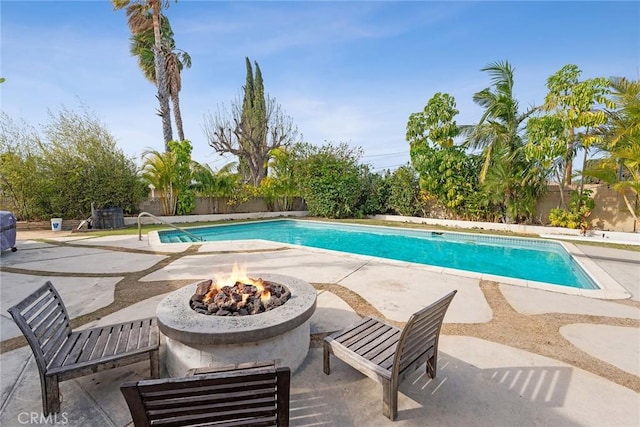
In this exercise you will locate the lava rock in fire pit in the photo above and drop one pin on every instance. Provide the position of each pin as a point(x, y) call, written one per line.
point(241, 299)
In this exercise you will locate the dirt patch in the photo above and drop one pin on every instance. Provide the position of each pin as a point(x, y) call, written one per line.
point(539, 334)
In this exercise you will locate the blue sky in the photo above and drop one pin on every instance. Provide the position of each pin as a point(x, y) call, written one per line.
point(344, 71)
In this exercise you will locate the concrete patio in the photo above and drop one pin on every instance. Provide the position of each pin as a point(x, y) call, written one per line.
point(502, 381)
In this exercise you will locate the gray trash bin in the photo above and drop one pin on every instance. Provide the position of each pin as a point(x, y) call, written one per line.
point(7, 231)
point(108, 218)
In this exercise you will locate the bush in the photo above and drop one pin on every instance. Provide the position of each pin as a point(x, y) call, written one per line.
point(82, 166)
point(375, 193)
point(451, 176)
point(404, 191)
point(76, 165)
point(580, 207)
point(330, 179)
point(21, 177)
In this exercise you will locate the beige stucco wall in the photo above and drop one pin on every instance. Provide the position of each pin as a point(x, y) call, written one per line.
point(220, 205)
point(610, 212)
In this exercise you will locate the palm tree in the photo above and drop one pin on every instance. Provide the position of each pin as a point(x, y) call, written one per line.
point(137, 20)
point(620, 167)
point(624, 124)
point(500, 125)
point(283, 177)
point(499, 135)
point(159, 169)
point(215, 185)
point(175, 61)
point(210, 183)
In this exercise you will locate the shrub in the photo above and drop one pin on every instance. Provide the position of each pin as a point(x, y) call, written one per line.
point(330, 179)
point(374, 194)
point(580, 207)
point(76, 165)
point(404, 191)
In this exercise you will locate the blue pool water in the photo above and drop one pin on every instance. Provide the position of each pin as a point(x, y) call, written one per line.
point(529, 259)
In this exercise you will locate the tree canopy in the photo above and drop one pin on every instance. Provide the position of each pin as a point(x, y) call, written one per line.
point(137, 19)
point(175, 60)
point(252, 129)
point(75, 165)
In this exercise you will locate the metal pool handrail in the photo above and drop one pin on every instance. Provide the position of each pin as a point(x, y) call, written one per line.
point(193, 236)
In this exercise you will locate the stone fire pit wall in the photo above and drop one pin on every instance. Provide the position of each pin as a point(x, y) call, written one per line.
point(195, 340)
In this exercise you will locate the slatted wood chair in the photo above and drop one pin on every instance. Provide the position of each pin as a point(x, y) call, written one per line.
point(62, 354)
point(388, 354)
point(255, 395)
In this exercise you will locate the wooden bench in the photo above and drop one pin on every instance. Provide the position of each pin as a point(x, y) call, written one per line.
point(62, 354)
point(388, 354)
point(239, 395)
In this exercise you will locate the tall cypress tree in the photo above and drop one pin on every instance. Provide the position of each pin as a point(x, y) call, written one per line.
point(247, 102)
point(260, 111)
point(257, 126)
point(260, 104)
point(246, 122)
point(254, 119)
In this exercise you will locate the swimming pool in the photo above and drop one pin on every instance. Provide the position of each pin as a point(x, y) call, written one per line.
point(528, 259)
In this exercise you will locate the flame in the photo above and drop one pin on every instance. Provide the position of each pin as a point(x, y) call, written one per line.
point(213, 290)
point(236, 294)
point(243, 302)
point(238, 279)
point(238, 274)
point(263, 290)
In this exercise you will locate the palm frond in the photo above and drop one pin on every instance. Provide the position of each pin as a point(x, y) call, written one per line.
point(139, 18)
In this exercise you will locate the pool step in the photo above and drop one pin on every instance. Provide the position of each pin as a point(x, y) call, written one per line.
point(180, 239)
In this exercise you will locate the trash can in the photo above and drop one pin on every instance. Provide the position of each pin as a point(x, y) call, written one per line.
point(108, 218)
point(7, 231)
point(56, 224)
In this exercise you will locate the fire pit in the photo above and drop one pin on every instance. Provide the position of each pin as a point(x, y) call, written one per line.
point(244, 297)
point(195, 339)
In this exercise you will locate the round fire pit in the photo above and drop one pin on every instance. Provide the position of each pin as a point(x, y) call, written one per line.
point(196, 340)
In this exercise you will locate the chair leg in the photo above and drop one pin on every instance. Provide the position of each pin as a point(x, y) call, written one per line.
point(154, 361)
point(389, 401)
point(432, 363)
point(325, 359)
point(50, 395)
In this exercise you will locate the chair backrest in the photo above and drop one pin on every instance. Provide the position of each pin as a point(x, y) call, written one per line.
point(44, 321)
point(420, 335)
point(254, 398)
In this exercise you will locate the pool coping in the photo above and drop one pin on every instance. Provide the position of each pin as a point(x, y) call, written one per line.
point(610, 289)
